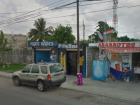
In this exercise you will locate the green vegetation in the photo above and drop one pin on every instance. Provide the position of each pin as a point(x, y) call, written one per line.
point(60, 34)
point(40, 31)
point(126, 39)
point(64, 34)
point(12, 67)
point(102, 26)
point(3, 45)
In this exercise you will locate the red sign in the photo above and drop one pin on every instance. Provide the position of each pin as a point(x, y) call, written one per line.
point(118, 44)
point(122, 50)
point(109, 32)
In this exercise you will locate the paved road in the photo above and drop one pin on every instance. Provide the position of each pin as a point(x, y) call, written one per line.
point(28, 95)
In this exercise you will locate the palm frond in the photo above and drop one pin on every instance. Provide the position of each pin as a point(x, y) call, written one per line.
point(32, 32)
point(40, 30)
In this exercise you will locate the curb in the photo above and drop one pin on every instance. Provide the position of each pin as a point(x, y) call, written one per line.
point(8, 77)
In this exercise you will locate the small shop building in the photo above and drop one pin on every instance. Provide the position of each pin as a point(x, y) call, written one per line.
point(66, 54)
point(122, 56)
point(45, 51)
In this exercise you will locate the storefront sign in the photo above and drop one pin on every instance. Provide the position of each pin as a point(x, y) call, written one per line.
point(122, 50)
point(34, 43)
point(49, 43)
point(53, 57)
point(67, 46)
point(117, 44)
point(113, 54)
point(125, 58)
point(109, 32)
point(125, 66)
point(44, 43)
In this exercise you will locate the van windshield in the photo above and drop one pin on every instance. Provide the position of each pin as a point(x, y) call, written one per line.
point(56, 68)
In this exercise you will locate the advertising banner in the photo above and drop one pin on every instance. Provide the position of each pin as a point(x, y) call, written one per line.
point(125, 66)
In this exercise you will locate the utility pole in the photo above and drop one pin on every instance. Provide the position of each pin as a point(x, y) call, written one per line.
point(83, 32)
point(78, 53)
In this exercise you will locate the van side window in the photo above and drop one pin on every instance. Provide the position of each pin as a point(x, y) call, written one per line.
point(44, 69)
point(35, 69)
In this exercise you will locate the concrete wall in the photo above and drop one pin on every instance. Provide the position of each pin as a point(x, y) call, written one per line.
point(23, 55)
point(17, 41)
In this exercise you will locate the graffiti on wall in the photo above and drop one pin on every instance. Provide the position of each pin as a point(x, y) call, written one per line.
point(63, 61)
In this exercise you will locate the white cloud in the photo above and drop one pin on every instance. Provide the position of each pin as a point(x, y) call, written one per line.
point(128, 17)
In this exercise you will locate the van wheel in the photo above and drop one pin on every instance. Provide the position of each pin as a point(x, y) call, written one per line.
point(17, 81)
point(58, 85)
point(41, 86)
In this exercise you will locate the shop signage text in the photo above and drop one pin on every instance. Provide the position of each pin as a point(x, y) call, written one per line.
point(34, 44)
point(48, 43)
point(67, 46)
point(44, 43)
point(118, 44)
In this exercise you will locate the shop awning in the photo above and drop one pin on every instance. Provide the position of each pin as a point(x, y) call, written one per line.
point(73, 49)
point(43, 49)
point(122, 50)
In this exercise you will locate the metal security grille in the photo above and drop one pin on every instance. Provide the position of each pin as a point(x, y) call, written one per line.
point(92, 54)
point(89, 64)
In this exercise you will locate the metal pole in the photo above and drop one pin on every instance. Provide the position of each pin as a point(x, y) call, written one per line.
point(78, 53)
point(83, 32)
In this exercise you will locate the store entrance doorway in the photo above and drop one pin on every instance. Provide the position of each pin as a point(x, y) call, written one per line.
point(71, 63)
point(135, 59)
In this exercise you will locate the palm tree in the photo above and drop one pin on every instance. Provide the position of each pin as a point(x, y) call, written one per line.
point(40, 32)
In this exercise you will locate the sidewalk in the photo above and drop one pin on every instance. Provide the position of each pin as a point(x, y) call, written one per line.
point(122, 90)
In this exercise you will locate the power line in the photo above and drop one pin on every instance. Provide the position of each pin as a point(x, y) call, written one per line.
point(86, 17)
point(59, 8)
point(33, 11)
point(75, 14)
point(71, 24)
point(39, 14)
point(101, 10)
point(46, 6)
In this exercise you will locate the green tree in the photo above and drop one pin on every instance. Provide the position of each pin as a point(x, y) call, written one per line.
point(64, 34)
point(132, 39)
point(84, 41)
point(101, 27)
point(124, 38)
point(3, 45)
point(93, 38)
point(40, 32)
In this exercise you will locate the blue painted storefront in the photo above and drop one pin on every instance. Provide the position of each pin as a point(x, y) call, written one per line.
point(42, 55)
point(45, 56)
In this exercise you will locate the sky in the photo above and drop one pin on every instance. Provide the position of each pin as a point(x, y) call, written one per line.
point(18, 16)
